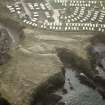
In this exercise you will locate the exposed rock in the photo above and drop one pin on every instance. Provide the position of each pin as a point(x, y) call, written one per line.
point(97, 59)
point(51, 99)
point(64, 91)
point(5, 42)
point(4, 58)
point(60, 103)
point(86, 81)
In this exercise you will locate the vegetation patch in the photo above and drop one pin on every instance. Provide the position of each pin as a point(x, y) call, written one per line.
point(47, 89)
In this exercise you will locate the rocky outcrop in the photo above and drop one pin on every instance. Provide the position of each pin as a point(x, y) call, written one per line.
point(5, 42)
point(97, 58)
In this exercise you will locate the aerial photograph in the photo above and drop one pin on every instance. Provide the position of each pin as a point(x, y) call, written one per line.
point(52, 52)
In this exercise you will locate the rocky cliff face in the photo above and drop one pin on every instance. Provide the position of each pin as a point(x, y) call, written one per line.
point(5, 43)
